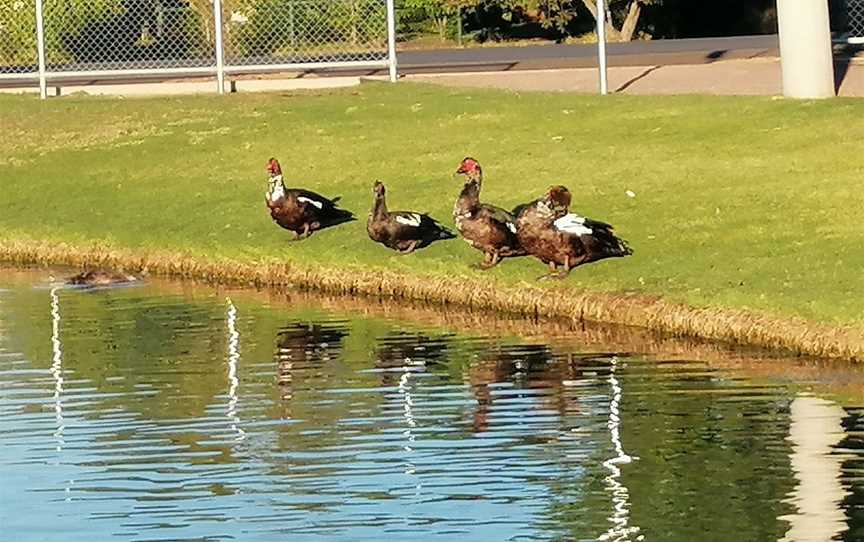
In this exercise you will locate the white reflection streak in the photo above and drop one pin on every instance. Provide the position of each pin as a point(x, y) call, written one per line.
point(57, 366)
point(408, 414)
point(620, 517)
point(233, 381)
point(815, 430)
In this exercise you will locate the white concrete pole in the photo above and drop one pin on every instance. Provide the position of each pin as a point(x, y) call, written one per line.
point(391, 40)
point(220, 47)
point(40, 48)
point(601, 45)
point(805, 48)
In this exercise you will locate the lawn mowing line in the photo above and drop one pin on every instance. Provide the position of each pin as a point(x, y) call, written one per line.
point(729, 325)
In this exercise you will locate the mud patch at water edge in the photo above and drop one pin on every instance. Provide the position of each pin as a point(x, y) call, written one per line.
point(735, 326)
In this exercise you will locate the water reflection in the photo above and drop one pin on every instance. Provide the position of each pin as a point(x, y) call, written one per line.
point(815, 432)
point(522, 365)
point(620, 530)
point(379, 427)
point(57, 366)
point(233, 359)
point(302, 349)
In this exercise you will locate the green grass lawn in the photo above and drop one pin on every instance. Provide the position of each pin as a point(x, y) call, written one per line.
point(740, 202)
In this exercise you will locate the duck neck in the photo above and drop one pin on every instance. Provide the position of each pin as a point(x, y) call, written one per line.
point(379, 207)
point(469, 198)
point(277, 188)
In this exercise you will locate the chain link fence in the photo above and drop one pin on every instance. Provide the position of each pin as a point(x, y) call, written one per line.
point(272, 32)
point(18, 55)
point(854, 19)
point(92, 38)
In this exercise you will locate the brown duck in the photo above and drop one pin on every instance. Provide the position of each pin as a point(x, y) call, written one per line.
point(298, 210)
point(549, 232)
point(484, 227)
point(100, 277)
point(403, 231)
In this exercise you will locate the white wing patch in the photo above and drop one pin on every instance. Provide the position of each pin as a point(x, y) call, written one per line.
point(573, 223)
point(412, 219)
point(316, 203)
point(511, 226)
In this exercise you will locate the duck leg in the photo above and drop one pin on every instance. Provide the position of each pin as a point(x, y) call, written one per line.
point(410, 248)
point(567, 268)
point(486, 263)
point(490, 260)
point(569, 264)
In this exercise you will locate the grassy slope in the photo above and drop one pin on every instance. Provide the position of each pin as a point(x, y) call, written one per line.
point(741, 202)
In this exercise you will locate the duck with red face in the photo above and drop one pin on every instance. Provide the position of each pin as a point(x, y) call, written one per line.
point(485, 227)
point(300, 211)
point(551, 233)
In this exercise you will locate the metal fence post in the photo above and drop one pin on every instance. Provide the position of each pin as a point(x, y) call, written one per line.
point(601, 45)
point(220, 51)
point(391, 39)
point(292, 36)
point(40, 47)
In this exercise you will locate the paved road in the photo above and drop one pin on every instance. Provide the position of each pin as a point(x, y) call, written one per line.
point(639, 53)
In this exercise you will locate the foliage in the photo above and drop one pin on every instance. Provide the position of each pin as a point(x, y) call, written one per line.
point(73, 26)
point(440, 13)
point(17, 33)
point(260, 27)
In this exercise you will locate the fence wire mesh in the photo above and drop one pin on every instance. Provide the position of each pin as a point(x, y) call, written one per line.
point(855, 18)
point(84, 35)
point(18, 37)
point(153, 35)
point(266, 32)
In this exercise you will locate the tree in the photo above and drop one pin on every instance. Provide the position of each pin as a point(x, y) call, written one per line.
point(625, 11)
point(559, 13)
point(441, 11)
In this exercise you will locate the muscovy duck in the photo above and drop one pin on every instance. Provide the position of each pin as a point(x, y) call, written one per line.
point(298, 210)
point(552, 234)
point(403, 231)
point(100, 277)
point(484, 227)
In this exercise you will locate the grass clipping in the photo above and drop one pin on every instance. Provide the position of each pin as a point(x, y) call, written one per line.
point(732, 326)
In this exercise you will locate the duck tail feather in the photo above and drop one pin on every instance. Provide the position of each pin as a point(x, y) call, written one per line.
point(445, 233)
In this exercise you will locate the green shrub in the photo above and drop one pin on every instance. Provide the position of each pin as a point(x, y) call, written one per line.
point(17, 35)
point(266, 27)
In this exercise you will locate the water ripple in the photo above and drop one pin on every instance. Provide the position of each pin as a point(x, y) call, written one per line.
point(138, 414)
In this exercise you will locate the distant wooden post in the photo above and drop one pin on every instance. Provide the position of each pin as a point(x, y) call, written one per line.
point(805, 48)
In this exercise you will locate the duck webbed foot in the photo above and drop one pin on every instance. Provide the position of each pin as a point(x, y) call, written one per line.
point(490, 260)
point(554, 274)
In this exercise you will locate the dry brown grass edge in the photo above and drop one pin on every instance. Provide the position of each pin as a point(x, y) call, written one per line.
point(728, 325)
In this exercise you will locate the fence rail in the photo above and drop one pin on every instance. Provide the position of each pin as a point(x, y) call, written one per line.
point(44, 40)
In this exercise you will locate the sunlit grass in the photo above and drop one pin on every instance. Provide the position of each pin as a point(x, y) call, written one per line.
point(740, 202)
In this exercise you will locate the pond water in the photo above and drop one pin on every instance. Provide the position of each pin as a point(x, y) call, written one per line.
point(172, 411)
